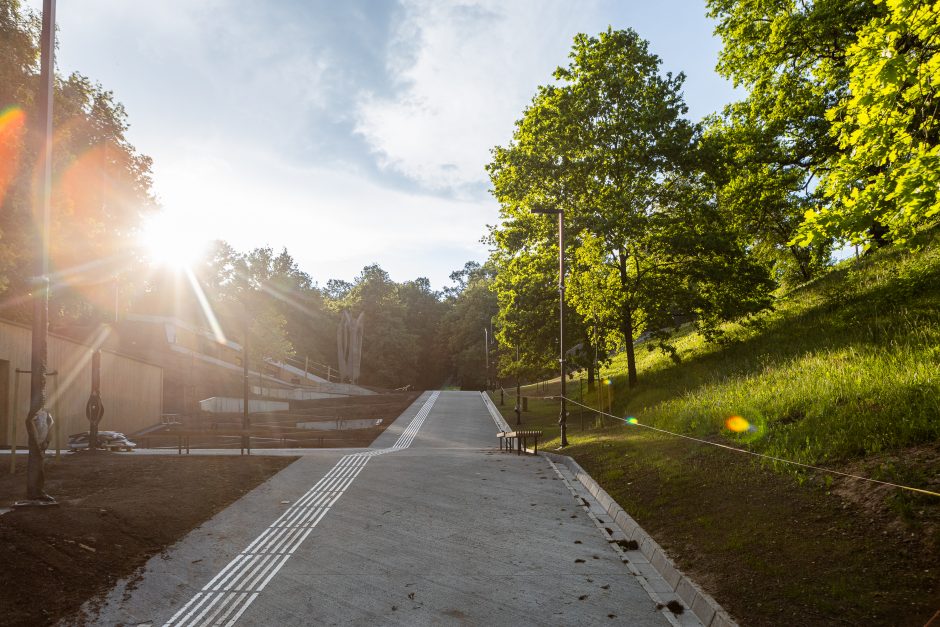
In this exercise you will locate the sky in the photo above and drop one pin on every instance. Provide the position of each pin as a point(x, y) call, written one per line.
point(351, 132)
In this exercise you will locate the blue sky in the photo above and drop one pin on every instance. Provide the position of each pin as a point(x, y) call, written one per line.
point(350, 132)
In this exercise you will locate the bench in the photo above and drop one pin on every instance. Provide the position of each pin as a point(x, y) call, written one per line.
point(518, 440)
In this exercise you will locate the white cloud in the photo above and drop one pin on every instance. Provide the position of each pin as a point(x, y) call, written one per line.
point(331, 221)
point(245, 107)
point(466, 69)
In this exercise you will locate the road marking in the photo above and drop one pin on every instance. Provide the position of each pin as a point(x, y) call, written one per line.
point(225, 598)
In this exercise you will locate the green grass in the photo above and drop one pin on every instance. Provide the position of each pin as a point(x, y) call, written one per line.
point(844, 367)
point(842, 373)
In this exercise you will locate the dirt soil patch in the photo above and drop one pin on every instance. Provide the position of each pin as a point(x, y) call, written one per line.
point(777, 549)
point(116, 511)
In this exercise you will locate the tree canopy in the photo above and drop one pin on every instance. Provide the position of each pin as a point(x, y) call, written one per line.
point(887, 128)
point(608, 145)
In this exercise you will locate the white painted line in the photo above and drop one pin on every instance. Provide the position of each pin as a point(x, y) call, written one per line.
point(241, 611)
point(238, 584)
point(228, 611)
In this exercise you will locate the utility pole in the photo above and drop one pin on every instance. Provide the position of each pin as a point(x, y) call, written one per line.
point(563, 411)
point(245, 383)
point(518, 390)
point(486, 356)
point(38, 421)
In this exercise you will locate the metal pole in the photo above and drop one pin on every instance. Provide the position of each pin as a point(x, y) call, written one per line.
point(245, 388)
point(55, 409)
point(16, 400)
point(518, 391)
point(486, 357)
point(94, 410)
point(563, 416)
point(35, 477)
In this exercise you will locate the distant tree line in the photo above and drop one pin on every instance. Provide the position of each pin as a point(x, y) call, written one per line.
point(413, 335)
point(102, 194)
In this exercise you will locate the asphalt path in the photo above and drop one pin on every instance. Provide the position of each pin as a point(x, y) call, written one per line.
point(429, 526)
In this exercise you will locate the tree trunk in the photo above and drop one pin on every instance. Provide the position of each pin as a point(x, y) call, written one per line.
point(802, 257)
point(628, 335)
point(591, 376)
point(879, 233)
point(627, 322)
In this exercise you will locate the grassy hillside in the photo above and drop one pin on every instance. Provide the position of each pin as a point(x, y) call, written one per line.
point(843, 373)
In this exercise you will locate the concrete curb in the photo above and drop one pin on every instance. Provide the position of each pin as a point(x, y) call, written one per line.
point(698, 601)
point(497, 416)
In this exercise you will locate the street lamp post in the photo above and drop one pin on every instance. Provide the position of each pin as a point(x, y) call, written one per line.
point(246, 385)
point(486, 358)
point(38, 422)
point(563, 411)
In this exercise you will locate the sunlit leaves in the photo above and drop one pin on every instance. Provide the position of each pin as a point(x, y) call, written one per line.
point(888, 128)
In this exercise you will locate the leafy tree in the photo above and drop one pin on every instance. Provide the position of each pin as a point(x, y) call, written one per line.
point(770, 150)
point(471, 307)
point(389, 349)
point(888, 130)
point(337, 289)
point(526, 288)
point(609, 146)
point(595, 147)
point(249, 301)
point(102, 184)
point(424, 314)
point(308, 323)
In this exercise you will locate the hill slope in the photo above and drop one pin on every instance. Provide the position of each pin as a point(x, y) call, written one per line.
point(843, 373)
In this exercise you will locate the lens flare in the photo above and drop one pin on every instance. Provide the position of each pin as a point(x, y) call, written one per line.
point(737, 424)
point(169, 241)
point(12, 127)
point(633, 421)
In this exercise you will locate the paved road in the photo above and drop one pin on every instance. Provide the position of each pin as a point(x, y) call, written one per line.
point(428, 526)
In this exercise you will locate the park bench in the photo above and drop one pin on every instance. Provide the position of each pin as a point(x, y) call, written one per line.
point(519, 440)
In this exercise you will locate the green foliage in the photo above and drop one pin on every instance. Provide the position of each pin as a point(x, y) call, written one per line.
point(607, 144)
point(767, 152)
point(843, 373)
point(389, 355)
point(888, 129)
point(471, 307)
point(101, 184)
point(842, 368)
point(425, 311)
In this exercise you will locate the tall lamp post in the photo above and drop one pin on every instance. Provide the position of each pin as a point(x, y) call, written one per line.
point(486, 358)
point(563, 412)
point(39, 421)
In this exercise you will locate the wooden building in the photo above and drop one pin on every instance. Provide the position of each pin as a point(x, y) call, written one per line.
point(131, 389)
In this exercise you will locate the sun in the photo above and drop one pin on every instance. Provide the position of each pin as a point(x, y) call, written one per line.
point(170, 240)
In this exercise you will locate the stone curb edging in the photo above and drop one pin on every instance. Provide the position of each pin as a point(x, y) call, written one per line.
point(497, 416)
point(701, 604)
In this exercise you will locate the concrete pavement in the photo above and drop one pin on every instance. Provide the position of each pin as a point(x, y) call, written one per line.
point(428, 526)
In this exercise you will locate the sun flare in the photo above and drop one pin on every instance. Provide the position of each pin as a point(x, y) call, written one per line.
point(169, 240)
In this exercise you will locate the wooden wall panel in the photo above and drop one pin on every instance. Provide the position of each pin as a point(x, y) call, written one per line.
point(131, 390)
